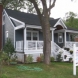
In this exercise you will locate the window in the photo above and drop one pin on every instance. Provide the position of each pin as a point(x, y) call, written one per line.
point(32, 35)
point(60, 37)
point(71, 37)
point(6, 34)
point(28, 35)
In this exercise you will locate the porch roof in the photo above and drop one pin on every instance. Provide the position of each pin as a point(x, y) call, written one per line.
point(28, 18)
point(70, 28)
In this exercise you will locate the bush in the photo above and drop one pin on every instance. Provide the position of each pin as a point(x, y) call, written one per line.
point(51, 59)
point(38, 59)
point(8, 49)
point(67, 49)
point(29, 59)
point(71, 52)
point(70, 60)
point(59, 57)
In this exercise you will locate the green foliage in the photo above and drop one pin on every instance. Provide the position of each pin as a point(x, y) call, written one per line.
point(8, 51)
point(9, 48)
point(29, 59)
point(51, 59)
point(70, 60)
point(71, 20)
point(71, 51)
point(59, 58)
point(13, 4)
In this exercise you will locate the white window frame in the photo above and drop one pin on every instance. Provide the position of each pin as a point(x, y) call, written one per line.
point(62, 38)
point(32, 34)
point(7, 34)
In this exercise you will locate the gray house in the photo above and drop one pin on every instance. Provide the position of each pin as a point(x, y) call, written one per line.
point(25, 32)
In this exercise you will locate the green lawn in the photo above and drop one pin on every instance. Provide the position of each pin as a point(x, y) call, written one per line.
point(54, 70)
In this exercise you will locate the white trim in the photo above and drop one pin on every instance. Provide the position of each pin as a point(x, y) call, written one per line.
point(19, 27)
point(37, 27)
point(65, 38)
point(25, 39)
point(52, 35)
point(62, 37)
point(72, 31)
point(12, 25)
point(59, 23)
point(32, 34)
point(9, 18)
point(17, 20)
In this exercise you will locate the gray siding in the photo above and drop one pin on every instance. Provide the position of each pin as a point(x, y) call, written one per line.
point(9, 28)
point(15, 22)
point(19, 35)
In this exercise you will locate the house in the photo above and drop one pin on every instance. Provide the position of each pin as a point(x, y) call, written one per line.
point(25, 32)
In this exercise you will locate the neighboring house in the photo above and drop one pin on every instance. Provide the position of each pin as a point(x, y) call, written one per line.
point(25, 32)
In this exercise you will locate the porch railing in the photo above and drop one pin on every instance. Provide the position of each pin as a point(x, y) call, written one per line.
point(36, 45)
point(70, 44)
point(30, 45)
point(19, 46)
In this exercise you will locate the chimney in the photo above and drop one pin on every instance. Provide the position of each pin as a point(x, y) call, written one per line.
point(1, 9)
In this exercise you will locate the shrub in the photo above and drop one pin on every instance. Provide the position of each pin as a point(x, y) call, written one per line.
point(70, 60)
point(67, 49)
point(8, 49)
point(65, 56)
point(51, 59)
point(71, 52)
point(58, 58)
point(38, 59)
point(29, 59)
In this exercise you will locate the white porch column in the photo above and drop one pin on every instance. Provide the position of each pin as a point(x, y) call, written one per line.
point(52, 35)
point(65, 38)
point(25, 35)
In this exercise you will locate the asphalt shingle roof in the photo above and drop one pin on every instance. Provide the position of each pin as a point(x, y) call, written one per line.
point(28, 18)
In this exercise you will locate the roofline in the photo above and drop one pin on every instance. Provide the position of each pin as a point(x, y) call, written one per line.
point(64, 26)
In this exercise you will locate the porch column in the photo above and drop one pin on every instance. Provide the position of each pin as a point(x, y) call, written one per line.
point(65, 38)
point(25, 39)
point(52, 35)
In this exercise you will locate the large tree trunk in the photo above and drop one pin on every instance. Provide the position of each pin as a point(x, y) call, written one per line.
point(47, 40)
point(47, 45)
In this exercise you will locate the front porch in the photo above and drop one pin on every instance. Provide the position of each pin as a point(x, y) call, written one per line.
point(30, 41)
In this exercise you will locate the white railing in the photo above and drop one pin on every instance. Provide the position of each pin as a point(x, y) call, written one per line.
point(70, 44)
point(30, 45)
point(19, 46)
point(34, 45)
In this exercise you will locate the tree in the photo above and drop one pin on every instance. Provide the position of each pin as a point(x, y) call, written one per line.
point(13, 4)
point(71, 20)
point(47, 5)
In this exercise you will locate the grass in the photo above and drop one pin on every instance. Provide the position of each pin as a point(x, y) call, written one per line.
point(54, 70)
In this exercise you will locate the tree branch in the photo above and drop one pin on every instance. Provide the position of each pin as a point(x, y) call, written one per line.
point(51, 5)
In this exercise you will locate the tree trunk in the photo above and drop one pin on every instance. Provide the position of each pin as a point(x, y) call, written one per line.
point(47, 41)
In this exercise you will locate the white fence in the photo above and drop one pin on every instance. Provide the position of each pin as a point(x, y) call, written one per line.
point(75, 58)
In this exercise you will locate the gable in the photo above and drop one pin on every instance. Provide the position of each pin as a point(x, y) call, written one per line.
point(61, 23)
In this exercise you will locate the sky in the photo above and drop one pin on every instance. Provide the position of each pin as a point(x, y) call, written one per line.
point(64, 6)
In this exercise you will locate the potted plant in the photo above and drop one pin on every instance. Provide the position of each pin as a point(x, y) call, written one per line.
point(71, 52)
point(70, 60)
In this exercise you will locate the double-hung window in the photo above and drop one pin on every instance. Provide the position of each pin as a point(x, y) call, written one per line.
point(32, 35)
